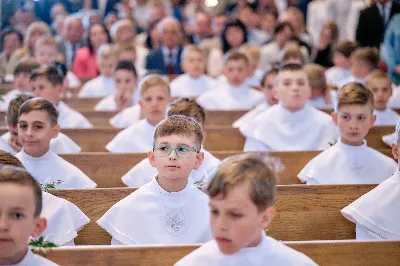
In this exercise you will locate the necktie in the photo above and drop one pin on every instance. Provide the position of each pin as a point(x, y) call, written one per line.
point(170, 66)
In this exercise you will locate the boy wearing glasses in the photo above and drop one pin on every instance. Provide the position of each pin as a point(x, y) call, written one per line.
point(169, 209)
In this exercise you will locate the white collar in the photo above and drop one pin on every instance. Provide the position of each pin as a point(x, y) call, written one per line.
point(156, 186)
point(288, 117)
point(350, 148)
point(27, 157)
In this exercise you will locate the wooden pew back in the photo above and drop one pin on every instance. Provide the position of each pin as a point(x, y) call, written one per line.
point(349, 253)
point(303, 212)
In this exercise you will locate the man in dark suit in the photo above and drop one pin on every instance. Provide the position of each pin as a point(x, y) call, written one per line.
point(373, 21)
point(167, 58)
point(201, 30)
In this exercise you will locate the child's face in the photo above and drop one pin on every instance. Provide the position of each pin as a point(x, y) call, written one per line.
point(194, 64)
point(172, 167)
point(17, 221)
point(354, 122)
point(316, 93)
point(45, 54)
point(22, 82)
point(358, 69)
point(35, 132)
point(125, 83)
point(293, 89)
point(235, 221)
point(234, 36)
point(154, 102)
point(13, 141)
point(341, 61)
point(42, 87)
point(382, 90)
point(106, 66)
point(236, 72)
point(270, 93)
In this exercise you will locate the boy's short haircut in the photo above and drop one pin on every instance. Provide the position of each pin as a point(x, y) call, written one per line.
point(192, 49)
point(26, 66)
point(367, 55)
point(7, 158)
point(20, 177)
point(51, 73)
point(354, 94)
point(237, 56)
point(292, 53)
point(187, 107)
point(240, 168)
point(316, 76)
point(125, 65)
point(346, 48)
point(151, 81)
point(290, 67)
point(13, 108)
point(106, 51)
point(281, 26)
point(46, 41)
point(125, 48)
point(377, 74)
point(272, 71)
point(40, 104)
point(253, 52)
point(180, 125)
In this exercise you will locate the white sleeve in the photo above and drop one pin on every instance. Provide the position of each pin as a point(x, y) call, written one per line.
point(115, 242)
point(69, 244)
point(362, 233)
point(254, 145)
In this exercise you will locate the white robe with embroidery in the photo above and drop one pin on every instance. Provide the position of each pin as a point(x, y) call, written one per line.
point(36, 260)
point(64, 220)
point(126, 117)
point(50, 167)
point(69, 118)
point(140, 218)
point(376, 214)
point(61, 144)
point(344, 164)
point(269, 252)
point(388, 117)
point(143, 172)
point(250, 115)
point(231, 98)
point(278, 129)
point(186, 86)
point(135, 138)
point(98, 87)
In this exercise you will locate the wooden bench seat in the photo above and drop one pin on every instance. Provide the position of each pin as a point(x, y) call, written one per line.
point(303, 212)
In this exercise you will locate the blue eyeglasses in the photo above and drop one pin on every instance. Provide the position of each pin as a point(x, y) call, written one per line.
point(182, 151)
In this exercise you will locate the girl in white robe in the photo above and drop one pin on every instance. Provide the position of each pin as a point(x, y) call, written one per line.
point(186, 86)
point(50, 168)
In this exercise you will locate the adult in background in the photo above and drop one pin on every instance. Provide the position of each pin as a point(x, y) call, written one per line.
point(392, 49)
point(10, 40)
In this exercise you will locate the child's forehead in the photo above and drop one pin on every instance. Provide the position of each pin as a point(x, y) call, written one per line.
point(124, 73)
point(156, 89)
point(232, 62)
point(292, 74)
point(238, 194)
point(35, 116)
point(176, 138)
point(17, 194)
point(356, 108)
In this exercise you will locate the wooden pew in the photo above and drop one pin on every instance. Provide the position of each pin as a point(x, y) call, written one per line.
point(106, 169)
point(82, 103)
point(324, 253)
point(303, 212)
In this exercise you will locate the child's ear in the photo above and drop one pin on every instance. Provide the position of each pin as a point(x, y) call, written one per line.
point(151, 157)
point(56, 131)
point(183, 66)
point(373, 119)
point(140, 102)
point(39, 226)
point(395, 151)
point(204, 137)
point(334, 117)
point(266, 216)
point(199, 160)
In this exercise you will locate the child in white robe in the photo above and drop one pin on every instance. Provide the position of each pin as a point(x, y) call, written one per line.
point(253, 53)
point(270, 98)
point(127, 117)
point(194, 82)
point(242, 195)
point(169, 209)
point(363, 62)
point(143, 172)
point(20, 207)
point(341, 59)
point(376, 214)
point(291, 125)
point(380, 85)
point(321, 96)
point(37, 125)
point(125, 82)
point(155, 97)
point(47, 82)
point(103, 85)
point(350, 161)
point(235, 94)
point(60, 144)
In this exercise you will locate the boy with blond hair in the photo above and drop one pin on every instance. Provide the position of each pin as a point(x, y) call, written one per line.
point(253, 53)
point(350, 160)
point(103, 85)
point(380, 84)
point(242, 195)
point(155, 96)
point(169, 209)
point(290, 125)
point(143, 172)
point(376, 214)
point(321, 96)
point(194, 82)
point(234, 94)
